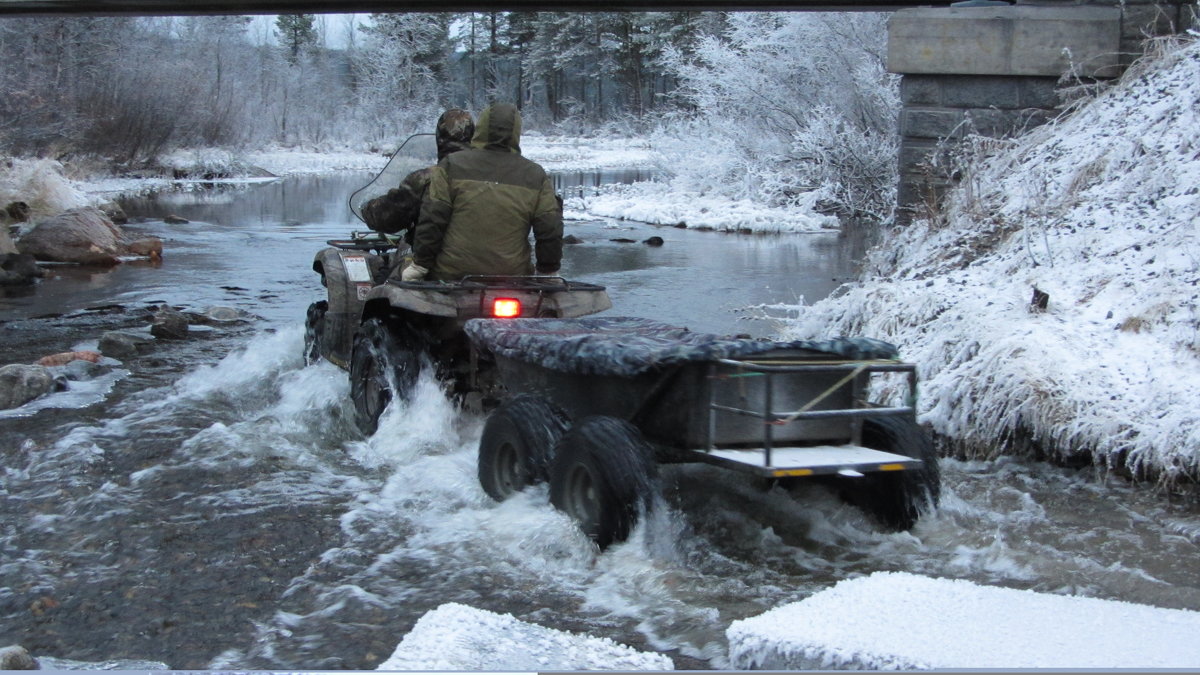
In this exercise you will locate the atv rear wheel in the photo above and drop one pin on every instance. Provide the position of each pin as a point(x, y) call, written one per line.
point(603, 476)
point(518, 444)
point(896, 498)
point(384, 364)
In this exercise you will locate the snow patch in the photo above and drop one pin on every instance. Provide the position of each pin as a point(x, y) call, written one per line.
point(458, 637)
point(660, 204)
point(896, 620)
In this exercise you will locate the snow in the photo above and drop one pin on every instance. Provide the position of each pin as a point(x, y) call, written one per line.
point(662, 204)
point(896, 620)
point(1100, 211)
point(462, 638)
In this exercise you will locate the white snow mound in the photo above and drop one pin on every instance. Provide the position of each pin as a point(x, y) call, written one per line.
point(896, 620)
point(458, 637)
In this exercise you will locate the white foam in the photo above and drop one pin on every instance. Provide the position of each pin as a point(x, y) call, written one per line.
point(896, 620)
point(458, 637)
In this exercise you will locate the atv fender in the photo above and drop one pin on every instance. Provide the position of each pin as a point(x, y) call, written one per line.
point(348, 276)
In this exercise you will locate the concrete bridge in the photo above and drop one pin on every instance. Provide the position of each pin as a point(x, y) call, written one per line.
point(977, 67)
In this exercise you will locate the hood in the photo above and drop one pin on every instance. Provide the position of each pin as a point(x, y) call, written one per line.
point(454, 131)
point(499, 128)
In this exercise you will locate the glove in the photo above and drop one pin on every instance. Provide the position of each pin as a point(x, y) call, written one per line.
point(413, 272)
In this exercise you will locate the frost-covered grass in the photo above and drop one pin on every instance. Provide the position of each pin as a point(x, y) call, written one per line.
point(1100, 211)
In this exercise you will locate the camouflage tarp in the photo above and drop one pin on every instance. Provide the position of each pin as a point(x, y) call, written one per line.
point(626, 346)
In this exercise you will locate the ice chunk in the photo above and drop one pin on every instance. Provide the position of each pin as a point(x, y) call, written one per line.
point(458, 637)
point(895, 620)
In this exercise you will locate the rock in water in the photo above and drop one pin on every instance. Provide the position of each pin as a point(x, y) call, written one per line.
point(150, 247)
point(169, 324)
point(18, 269)
point(119, 345)
point(17, 658)
point(20, 384)
point(83, 235)
point(175, 220)
point(63, 358)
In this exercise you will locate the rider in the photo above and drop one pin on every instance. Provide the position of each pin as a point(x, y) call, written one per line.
point(481, 206)
point(398, 210)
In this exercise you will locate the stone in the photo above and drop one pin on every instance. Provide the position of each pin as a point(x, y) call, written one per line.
point(931, 123)
point(84, 235)
point(921, 90)
point(175, 220)
point(654, 241)
point(119, 345)
point(981, 91)
point(17, 212)
point(6, 242)
point(572, 239)
point(16, 657)
point(224, 314)
point(21, 383)
point(114, 212)
point(63, 358)
point(149, 247)
point(169, 324)
point(18, 269)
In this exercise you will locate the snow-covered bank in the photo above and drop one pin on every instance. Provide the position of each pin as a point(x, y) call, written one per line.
point(661, 204)
point(1099, 211)
point(896, 620)
point(458, 637)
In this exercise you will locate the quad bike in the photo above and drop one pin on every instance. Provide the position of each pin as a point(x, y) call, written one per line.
point(384, 330)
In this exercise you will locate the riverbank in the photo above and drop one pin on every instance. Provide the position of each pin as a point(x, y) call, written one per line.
point(51, 187)
point(1053, 305)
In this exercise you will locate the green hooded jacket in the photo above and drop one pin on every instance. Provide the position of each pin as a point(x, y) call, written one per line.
point(482, 204)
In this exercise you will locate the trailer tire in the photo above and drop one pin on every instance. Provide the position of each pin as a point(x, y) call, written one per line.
point(896, 498)
point(604, 476)
point(314, 328)
point(384, 364)
point(517, 445)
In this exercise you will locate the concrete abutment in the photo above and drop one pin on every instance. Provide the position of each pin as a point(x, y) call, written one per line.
point(997, 70)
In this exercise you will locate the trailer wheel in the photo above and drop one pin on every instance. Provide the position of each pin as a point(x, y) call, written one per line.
point(518, 444)
point(314, 327)
point(384, 364)
point(604, 476)
point(896, 498)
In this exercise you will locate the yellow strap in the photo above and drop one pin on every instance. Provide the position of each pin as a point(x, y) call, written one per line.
point(823, 395)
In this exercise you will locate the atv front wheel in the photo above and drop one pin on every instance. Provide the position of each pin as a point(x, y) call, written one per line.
point(384, 364)
point(314, 328)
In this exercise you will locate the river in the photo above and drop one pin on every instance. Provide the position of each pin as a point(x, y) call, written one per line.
point(211, 506)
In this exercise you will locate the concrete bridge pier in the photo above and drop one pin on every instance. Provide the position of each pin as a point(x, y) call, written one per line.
point(996, 70)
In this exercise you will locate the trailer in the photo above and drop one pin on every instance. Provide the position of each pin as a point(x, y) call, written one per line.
point(594, 405)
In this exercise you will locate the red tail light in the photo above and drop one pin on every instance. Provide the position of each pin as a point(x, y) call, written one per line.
point(506, 308)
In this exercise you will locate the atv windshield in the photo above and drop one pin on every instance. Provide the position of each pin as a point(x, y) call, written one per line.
point(417, 152)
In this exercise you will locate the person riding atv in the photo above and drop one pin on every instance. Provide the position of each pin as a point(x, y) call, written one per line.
point(397, 210)
point(482, 205)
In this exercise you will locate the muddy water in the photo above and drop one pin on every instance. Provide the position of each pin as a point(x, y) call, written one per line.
point(213, 507)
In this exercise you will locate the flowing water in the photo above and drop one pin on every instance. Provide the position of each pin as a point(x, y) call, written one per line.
point(210, 505)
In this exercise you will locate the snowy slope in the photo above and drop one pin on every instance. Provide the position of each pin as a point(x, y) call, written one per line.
point(458, 637)
point(1100, 211)
point(896, 620)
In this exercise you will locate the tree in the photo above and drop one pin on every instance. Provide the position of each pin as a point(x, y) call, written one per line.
point(295, 33)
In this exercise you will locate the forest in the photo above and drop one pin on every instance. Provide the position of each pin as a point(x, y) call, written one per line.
point(762, 105)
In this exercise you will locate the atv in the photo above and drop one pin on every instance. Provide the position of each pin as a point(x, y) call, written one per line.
point(384, 331)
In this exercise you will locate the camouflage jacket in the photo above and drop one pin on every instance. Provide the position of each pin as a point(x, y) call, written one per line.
point(482, 205)
point(398, 210)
